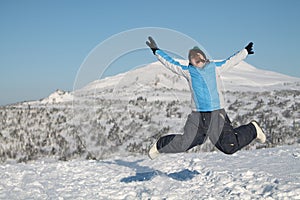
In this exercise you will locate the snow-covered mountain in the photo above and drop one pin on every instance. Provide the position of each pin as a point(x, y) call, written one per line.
point(242, 77)
point(154, 78)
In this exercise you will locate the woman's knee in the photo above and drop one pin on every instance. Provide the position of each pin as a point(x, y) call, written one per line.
point(228, 144)
point(229, 150)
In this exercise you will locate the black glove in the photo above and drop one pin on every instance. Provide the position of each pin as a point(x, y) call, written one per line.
point(249, 48)
point(152, 44)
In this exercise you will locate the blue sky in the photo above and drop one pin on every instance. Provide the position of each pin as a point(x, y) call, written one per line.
point(43, 43)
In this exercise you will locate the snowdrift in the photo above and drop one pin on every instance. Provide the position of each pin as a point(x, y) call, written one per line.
point(257, 174)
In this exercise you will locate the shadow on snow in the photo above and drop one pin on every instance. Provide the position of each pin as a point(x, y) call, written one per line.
point(145, 173)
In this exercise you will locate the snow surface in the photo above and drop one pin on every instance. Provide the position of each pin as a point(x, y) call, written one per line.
point(257, 174)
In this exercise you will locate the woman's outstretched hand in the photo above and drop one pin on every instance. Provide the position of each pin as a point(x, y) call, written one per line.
point(249, 48)
point(152, 44)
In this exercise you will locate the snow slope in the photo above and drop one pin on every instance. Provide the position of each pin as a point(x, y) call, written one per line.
point(244, 77)
point(256, 174)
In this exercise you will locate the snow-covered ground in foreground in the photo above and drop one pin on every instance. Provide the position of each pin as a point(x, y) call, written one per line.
point(256, 174)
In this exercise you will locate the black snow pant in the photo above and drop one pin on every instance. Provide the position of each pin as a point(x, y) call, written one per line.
point(214, 125)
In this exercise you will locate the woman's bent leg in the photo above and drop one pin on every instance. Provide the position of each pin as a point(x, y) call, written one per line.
point(194, 134)
point(233, 139)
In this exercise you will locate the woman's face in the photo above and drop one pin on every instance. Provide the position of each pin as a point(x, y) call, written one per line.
point(198, 60)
